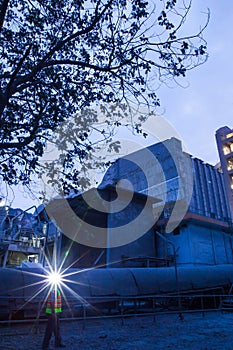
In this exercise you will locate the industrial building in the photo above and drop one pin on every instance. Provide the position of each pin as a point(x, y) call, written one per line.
point(187, 217)
point(158, 226)
point(224, 139)
point(154, 206)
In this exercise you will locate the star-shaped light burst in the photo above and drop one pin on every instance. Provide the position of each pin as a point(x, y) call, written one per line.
point(55, 278)
point(58, 278)
point(52, 276)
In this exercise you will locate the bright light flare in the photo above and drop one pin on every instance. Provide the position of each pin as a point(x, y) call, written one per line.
point(54, 278)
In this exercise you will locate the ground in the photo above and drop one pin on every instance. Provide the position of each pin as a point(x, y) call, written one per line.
point(195, 332)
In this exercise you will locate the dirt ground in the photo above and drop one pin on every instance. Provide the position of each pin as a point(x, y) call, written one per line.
point(214, 331)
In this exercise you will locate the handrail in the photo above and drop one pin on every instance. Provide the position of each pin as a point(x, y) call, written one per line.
point(15, 217)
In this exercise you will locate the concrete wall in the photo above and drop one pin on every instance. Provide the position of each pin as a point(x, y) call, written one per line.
point(128, 255)
point(129, 228)
point(202, 245)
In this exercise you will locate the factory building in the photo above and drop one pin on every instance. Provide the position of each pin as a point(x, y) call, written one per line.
point(224, 139)
point(181, 202)
point(155, 207)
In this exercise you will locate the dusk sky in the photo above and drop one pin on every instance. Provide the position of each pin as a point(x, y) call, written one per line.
point(205, 104)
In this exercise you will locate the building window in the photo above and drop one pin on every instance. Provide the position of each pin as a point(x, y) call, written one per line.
point(229, 135)
point(226, 150)
point(230, 164)
point(232, 182)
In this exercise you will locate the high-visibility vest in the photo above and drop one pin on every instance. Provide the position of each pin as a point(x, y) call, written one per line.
point(57, 304)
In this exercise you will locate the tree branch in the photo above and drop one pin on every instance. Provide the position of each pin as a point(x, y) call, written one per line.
point(26, 140)
point(27, 78)
point(3, 10)
point(41, 65)
point(73, 36)
point(18, 145)
point(84, 64)
point(17, 69)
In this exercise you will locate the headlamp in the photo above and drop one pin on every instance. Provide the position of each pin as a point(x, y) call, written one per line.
point(54, 278)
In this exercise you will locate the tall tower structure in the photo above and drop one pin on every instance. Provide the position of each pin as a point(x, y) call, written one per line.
point(224, 139)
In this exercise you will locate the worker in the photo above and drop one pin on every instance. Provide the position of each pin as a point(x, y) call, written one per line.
point(53, 309)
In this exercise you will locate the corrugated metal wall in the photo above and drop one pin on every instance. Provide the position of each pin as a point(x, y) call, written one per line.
point(209, 195)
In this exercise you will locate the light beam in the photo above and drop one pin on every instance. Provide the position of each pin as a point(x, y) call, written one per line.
point(54, 278)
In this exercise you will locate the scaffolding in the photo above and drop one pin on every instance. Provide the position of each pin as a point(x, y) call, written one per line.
point(19, 243)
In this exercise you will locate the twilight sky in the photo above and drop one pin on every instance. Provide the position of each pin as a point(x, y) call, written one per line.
point(206, 103)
